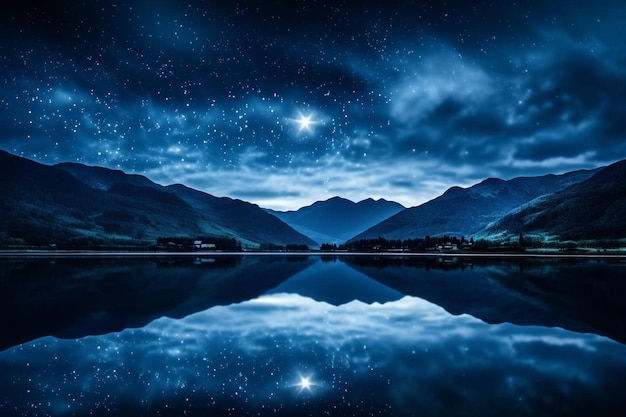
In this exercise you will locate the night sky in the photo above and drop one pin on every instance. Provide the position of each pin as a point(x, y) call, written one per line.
point(283, 103)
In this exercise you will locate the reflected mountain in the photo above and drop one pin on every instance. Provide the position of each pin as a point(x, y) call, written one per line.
point(336, 283)
point(284, 354)
point(299, 335)
point(581, 295)
point(75, 297)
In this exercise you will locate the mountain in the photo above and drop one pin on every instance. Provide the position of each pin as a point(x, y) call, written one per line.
point(320, 282)
point(465, 211)
point(337, 219)
point(104, 179)
point(221, 216)
point(592, 209)
point(81, 205)
point(239, 217)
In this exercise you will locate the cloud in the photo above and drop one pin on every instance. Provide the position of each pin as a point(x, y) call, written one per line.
point(297, 186)
point(563, 105)
point(571, 106)
point(433, 91)
point(441, 86)
point(412, 354)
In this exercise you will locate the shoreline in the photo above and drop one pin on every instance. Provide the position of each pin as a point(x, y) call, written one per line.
point(93, 253)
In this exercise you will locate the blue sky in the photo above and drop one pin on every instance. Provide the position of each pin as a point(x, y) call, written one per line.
point(283, 103)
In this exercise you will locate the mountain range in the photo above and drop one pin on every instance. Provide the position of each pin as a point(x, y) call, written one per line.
point(467, 211)
point(77, 297)
point(592, 209)
point(337, 219)
point(76, 204)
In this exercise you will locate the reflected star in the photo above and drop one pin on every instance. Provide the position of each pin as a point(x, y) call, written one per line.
point(304, 383)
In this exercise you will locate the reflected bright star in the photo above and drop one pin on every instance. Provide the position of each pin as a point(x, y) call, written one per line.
point(305, 383)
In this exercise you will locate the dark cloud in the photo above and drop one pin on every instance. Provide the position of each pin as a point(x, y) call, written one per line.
point(409, 185)
point(181, 91)
point(265, 194)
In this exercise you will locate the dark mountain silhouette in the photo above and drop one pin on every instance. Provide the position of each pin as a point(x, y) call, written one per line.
point(591, 209)
point(336, 220)
point(75, 204)
point(244, 219)
point(465, 211)
point(90, 206)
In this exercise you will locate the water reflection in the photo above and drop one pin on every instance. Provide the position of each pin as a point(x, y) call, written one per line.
point(74, 297)
point(337, 283)
point(583, 295)
point(297, 348)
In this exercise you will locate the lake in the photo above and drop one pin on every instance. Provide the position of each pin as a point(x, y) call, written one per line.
point(312, 335)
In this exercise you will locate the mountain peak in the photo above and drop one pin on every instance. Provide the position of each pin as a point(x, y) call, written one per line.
point(493, 180)
point(585, 210)
point(465, 211)
point(454, 191)
point(337, 199)
point(337, 219)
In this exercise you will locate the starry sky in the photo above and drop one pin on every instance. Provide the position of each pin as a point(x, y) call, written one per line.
point(283, 103)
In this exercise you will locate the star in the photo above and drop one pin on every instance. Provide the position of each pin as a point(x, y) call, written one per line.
point(377, 94)
point(305, 123)
point(305, 383)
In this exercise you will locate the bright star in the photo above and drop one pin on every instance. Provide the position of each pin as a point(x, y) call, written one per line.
point(305, 122)
point(305, 383)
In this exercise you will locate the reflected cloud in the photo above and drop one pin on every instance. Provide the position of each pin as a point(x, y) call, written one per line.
point(73, 297)
point(283, 353)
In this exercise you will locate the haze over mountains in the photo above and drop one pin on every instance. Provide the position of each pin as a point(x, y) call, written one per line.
point(91, 206)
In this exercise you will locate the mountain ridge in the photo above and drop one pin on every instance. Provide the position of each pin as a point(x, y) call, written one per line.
point(337, 219)
point(464, 211)
point(76, 204)
point(70, 202)
point(590, 209)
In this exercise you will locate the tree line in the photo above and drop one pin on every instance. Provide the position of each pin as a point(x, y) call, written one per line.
point(412, 245)
point(272, 247)
point(520, 243)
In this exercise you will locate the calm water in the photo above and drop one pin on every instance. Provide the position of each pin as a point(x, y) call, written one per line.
point(307, 335)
